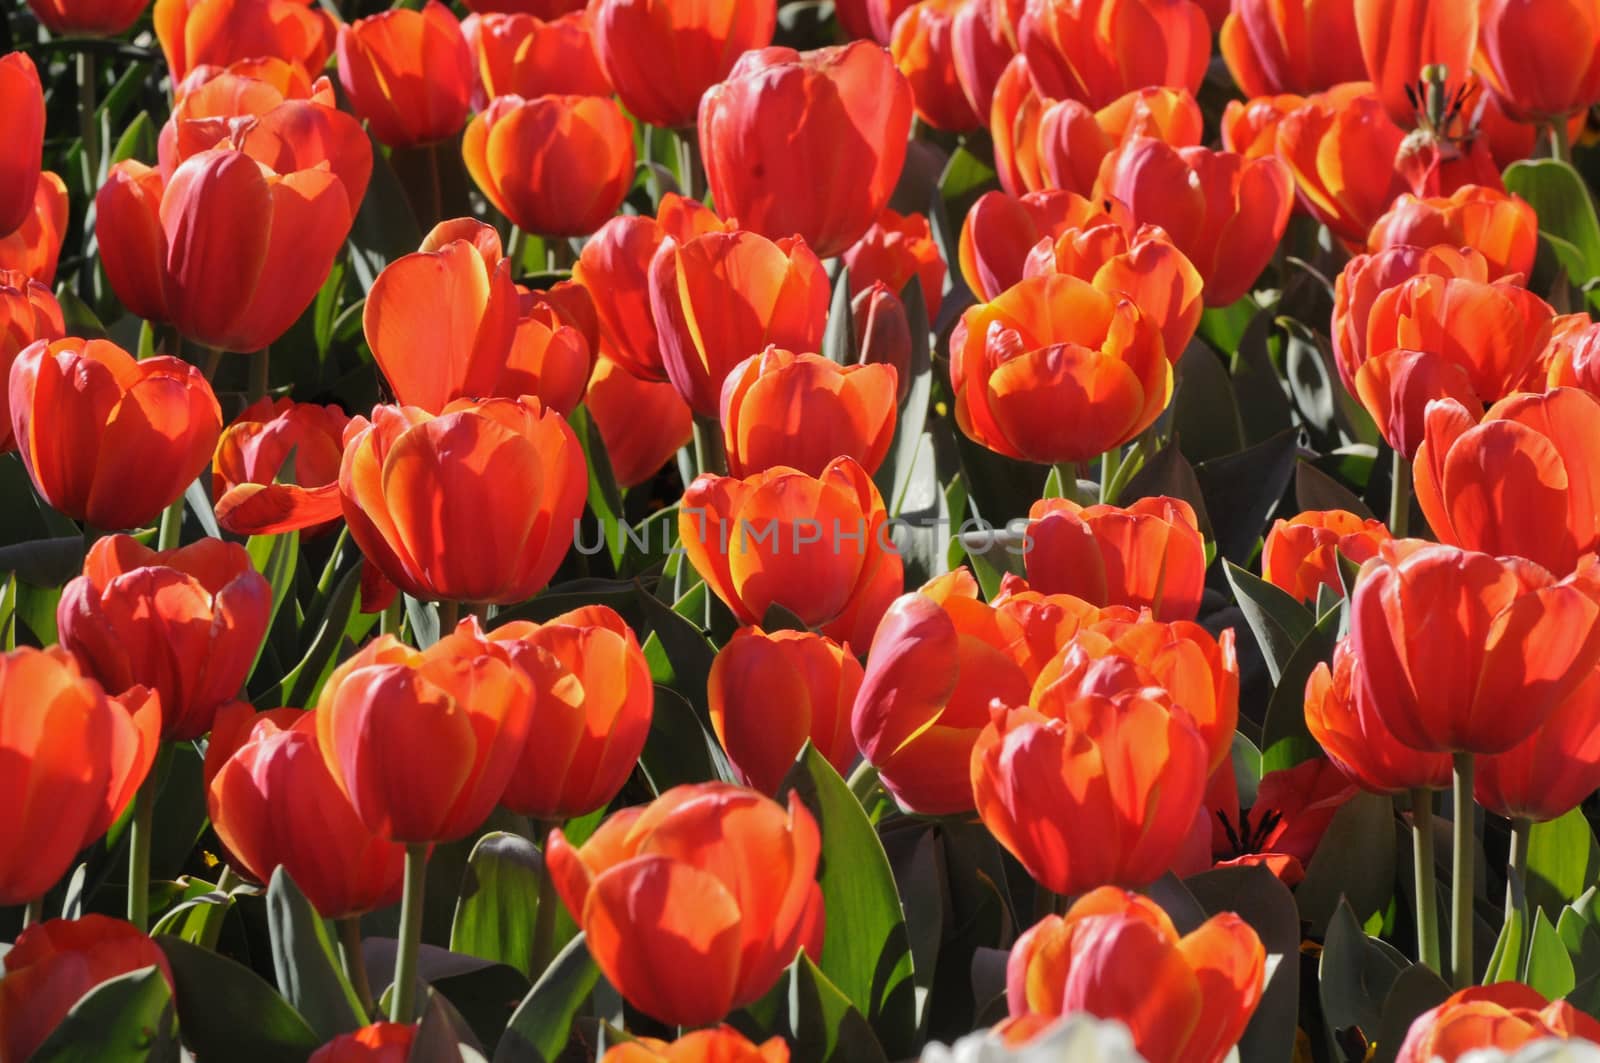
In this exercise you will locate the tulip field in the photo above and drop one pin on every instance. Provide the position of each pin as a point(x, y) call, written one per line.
point(799, 531)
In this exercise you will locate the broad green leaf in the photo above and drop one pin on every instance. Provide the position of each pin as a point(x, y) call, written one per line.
point(1355, 974)
point(1279, 622)
point(825, 1026)
point(307, 963)
point(227, 1011)
point(605, 500)
point(1205, 414)
point(44, 562)
point(1563, 862)
point(1354, 862)
point(1315, 489)
point(1506, 961)
point(1548, 968)
point(126, 1019)
point(1415, 991)
point(1582, 942)
point(839, 340)
point(1566, 213)
point(1243, 489)
point(539, 1028)
point(276, 557)
point(1285, 740)
point(498, 904)
point(1256, 895)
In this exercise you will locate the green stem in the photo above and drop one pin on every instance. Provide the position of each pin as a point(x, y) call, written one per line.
point(88, 126)
point(1423, 868)
point(1461, 884)
point(1110, 465)
point(1517, 864)
point(708, 451)
point(355, 965)
point(217, 914)
point(516, 246)
point(331, 569)
point(171, 533)
point(212, 360)
point(144, 809)
point(449, 616)
point(544, 927)
point(558, 256)
point(691, 175)
point(260, 374)
point(402, 1004)
point(1400, 497)
point(392, 618)
point(33, 913)
point(1560, 142)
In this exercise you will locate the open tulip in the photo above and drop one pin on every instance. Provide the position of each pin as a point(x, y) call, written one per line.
point(22, 131)
point(807, 143)
point(980, 50)
point(274, 804)
point(1505, 1015)
point(54, 964)
point(35, 246)
point(106, 439)
point(76, 758)
point(1340, 716)
point(523, 55)
point(424, 742)
point(1291, 46)
point(1250, 127)
point(88, 18)
point(218, 32)
point(1341, 146)
point(1501, 227)
point(897, 248)
point(1399, 38)
point(382, 1042)
point(694, 904)
point(1072, 140)
point(771, 693)
point(642, 422)
point(1290, 813)
point(186, 623)
point(923, 46)
point(506, 474)
point(250, 459)
point(803, 411)
point(1447, 638)
point(593, 701)
point(408, 73)
point(816, 545)
point(722, 1044)
point(555, 165)
point(28, 312)
point(1051, 345)
point(721, 297)
point(1186, 998)
point(1223, 211)
point(1302, 554)
point(662, 55)
point(1540, 60)
point(1147, 555)
point(1000, 230)
point(1097, 50)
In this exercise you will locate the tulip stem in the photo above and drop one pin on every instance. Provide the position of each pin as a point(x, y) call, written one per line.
point(1422, 864)
point(1517, 864)
point(33, 913)
point(355, 964)
point(213, 359)
point(544, 927)
point(708, 452)
point(690, 173)
point(144, 809)
point(402, 1005)
point(1560, 143)
point(171, 532)
point(1461, 883)
point(217, 914)
point(260, 374)
point(1400, 497)
point(88, 127)
point(1110, 466)
point(516, 248)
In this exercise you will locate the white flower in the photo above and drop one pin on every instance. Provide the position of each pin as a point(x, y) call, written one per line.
point(1550, 1050)
point(1075, 1039)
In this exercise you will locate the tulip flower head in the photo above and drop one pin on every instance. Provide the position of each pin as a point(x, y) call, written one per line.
point(1301, 46)
point(1095, 51)
point(1399, 38)
point(519, 54)
point(1501, 227)
point(22, 131)
point(895, 249)
point(1148, 555)
point(251, 457)
point(641, 422)
point(408, 73)
point(1000, 231)
point(1340, 716)
point(1540, 61)
point(721, 1044)
point(34, 247)
point(1504, 1015)
point(803, 411)
point(218, 32)
point(28, 312)
point(1302, 554)
point(382, 1042)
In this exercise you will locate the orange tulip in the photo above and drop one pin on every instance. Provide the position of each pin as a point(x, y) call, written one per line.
point(883, 334)
point(412, 484)
point(186, 623)
point(1572, 358)
point(770, 694)
point(1302, 554)
point(54, 964)
point(75, 759)
point(1250, 127)
point(1552, 772)
point(1000, 230)
point(558, 166)
point(897, 248)
point(545, 9)
point(22, 131)
point(550, 359)
point(694, 904)
point(1447, 638)
point(382, 1042)
point(106, 439)
point(1147, 555)
point(871, 19)
point(1282, 46)
point(614, 268)
point(1073, 140)
point(250, 458)
point(1225, 212)
point(803, 411)
point(721, 297)
point(35, 246)
point(211, 100)
point(408, 73)
point(593, 701)
point(28, 312)
point(1540, 60)
point(722, 1044)
point(1505, 1015)
point(1501, 227)
point(274, 804)
point(1096, 50)
point(218, 32)
point(818, 546)
point(1116, 955)
point(88, 18)
point(1052, 344)
point(980, 50)
point(1340, 716)
point(642, 422)
point(1014, 128)
point(938, 660)
point(424, 743)
point(1341, 146)
point(923, 46)
point(523, 55)
point(807, 143)
point(662, 55)
point(1400, 37)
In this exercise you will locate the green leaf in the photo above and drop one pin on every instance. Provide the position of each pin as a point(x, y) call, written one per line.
point(1505, 961)
point(276, 557)
point(307, 964)
point(1414, 991)
point(1355, 974)
point(839, 340)
point(1243, 489)
point(1205, 414)
point(1285, 740)
point(964, 179)
point(1582, 942)
point(1354, 862)
point(893, 478)
point(686, 652)
point(1563, 862)
point(825, 1026)
point(44, 562)
point(1257, 896)
point(605, 500)
point(866, 949)
point(1279, 622)
point(1566, 213)
point(498, 904)
point(138, 141)
point(227, 1011)
point(300, 685)
point(1315, 489)
point(539, 1028)
point(679, 748)
point(126, 1019)
point(1548, 968)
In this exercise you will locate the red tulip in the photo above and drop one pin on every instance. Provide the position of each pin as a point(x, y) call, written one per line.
point(1554, 770)
point(721, 1044)
point(923, 46)
point(1400, 37)
point(1000, 230)
point(382, 1042)
point(803, 411)
point(35, 246)
point(1096, 50)
point(1147, 555)
point(1283, 46)
point(1505, 1015)
point(250, 458)
point(1302, 554)
point(642, 422)
point(897, 248)
point(1073, 141)
point(1501, 227)
point(1341, 146)
point(408, 73)
point(1572, 358)
point(1250, 127)
point(1292, 810)
point(1540, 60)
point(545, 9)
point(218, 32)
point(28, 312)
point(883, 335)
point(22, 131)
point(523, 55)
point(1014, 128)
point(1340, 716)
point(980, 51)
point(88, 18)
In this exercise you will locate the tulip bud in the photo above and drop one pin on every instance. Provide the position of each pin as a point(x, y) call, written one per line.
point(1147, 555)
point(1340, 716)
point(1540, 63)
point(22, 131)
point(523, 55)
point(804, 411)
point(408, 73)
point(1341, 147)
point(1302, 554)
point(883, 335)
point(896, 249)
point(250, 458)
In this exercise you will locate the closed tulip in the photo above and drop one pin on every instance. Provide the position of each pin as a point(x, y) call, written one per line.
point(642, 423)
point(1097, 50)
point(22, 130)
point(88, 18)
point(382, 1042)
point(423, 743)
point(1014, 128)
point(662, 55)
point(218, 32)
point(1298, 46)
point(722, 1044)
point(408, 73)
point(1250, 127)
point(721, 297)
point(1555, 769)
point(923, 46)
point(1302, 554)
point(1540, 60)
point(883, 334)
point(1501, 227)
point(1000, 230)
point(1572, 358)
point(1341, 148)
point(938, 660)
point(694, 904)
point(75, 759)
point(28, 312)
point(1400, 37)
point(545, 9)
point(872, 20)
point(506, 474)
point(186, 623)
point(897, 248)
point(106, 439)
point(771, 693)
point(803, 411)
point(54, 964)
point(274, 804)
point(523, 55)
point(1505, 1015)
point(1073, 141)
point(1186, 998)
point(549, 359)
point(807, 143)
point(558, 166)
point(593, 701)
point(35, 246)
point(1340, 716)
point(1147, 555)
point(1052, 345)
point(818, 546)
point(1447, 638)
point(1226, 213)
point(980, 50)
point(250, 460)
